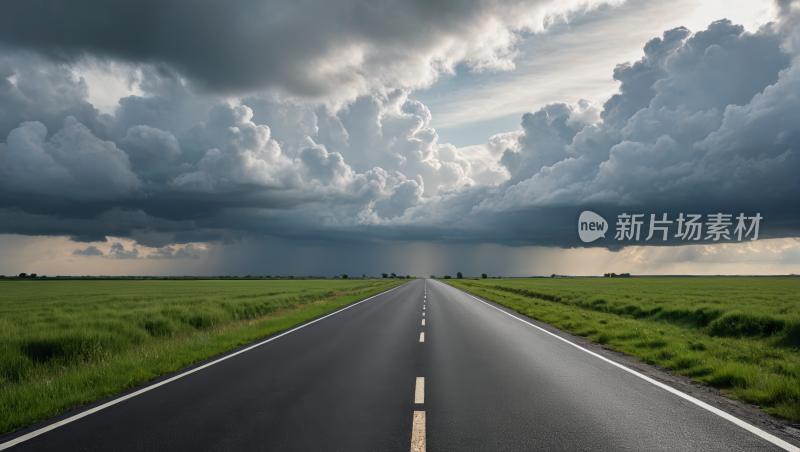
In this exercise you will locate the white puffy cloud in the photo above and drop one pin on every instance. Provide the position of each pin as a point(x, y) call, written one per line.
point(394, 132)
point(405, 195)
point(243, 154)
point(323, 168)
point(374, 133)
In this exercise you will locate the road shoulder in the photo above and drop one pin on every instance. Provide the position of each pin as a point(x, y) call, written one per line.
point(782, 429)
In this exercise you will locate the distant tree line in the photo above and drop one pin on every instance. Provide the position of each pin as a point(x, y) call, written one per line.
point(386, 275)
point(459, 275)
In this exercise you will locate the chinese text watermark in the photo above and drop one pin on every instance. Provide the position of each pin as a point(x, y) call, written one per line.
point(688, 227)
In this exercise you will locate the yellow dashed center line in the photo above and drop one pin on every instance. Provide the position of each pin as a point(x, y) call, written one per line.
point(418, 432)
point(419, 391)
point(418, 426)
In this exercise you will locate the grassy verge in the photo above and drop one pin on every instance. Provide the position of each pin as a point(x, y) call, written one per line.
point(66, 344)
point(740, 335)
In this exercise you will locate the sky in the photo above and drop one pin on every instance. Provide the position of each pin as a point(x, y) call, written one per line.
point(422, 138)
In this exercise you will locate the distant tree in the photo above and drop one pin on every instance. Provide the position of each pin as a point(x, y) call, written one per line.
point(553, 275)
point(613, 275)
point(433, 277)
point(344, 275)
point(408, 277)
point(446, 276)
point(268, 276)
point(363, 275)
point(33, 275)
point(385, 275)
point(484, 276)
point(248, 276)
point(394, 276)
point(291, 277)
point(606, 275)
point(459, 275)
point(23, 275)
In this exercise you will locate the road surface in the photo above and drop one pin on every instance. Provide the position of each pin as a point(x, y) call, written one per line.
point(421, 367)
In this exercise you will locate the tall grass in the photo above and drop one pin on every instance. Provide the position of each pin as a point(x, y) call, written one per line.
point(67, 343)
point(740, 335)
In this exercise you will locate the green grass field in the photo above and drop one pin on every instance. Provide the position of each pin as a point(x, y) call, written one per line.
point(737, 334)
point(67, 343)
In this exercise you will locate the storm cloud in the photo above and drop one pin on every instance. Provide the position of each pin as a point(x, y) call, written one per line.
point(322, 142)
point(89, 251)
point(315, 48)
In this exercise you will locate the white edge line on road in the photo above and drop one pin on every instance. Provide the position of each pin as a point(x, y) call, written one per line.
point(419, 390)
point(54, 426)
point(750, 428)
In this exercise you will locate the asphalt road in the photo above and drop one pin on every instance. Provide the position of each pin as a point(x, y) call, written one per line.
point(486, 382)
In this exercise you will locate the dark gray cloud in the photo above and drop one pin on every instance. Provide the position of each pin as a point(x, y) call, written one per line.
point(32, 88)
point(73, 162)
point(704, 123)
point(150, 151)
point(311, 48)
point(184, 252)
point(118, 252)
point(638, 79)
point(80, 222)
point(89, 251)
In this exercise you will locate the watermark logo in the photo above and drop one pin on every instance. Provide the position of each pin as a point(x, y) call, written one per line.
point(688, 227)
point(591, 226)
